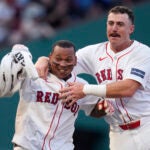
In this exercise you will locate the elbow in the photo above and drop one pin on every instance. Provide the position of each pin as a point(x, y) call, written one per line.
point(128, 93)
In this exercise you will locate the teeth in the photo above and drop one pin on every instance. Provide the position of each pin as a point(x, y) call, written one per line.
point(62, 70)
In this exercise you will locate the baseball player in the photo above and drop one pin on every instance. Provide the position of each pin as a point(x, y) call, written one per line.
point(121, 67)
point(42, 121)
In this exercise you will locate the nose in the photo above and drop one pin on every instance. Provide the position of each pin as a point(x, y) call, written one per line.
point(114, 27)
point(63, 63)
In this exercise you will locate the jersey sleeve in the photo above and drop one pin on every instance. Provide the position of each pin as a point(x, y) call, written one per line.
point(139, 69)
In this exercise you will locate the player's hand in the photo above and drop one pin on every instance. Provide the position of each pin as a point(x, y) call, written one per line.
point(106, 106)
point(42, 66)
point(18, 51)
point(72, 93)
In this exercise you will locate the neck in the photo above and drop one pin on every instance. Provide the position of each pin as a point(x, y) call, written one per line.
point(66, 78)
point(119, 48)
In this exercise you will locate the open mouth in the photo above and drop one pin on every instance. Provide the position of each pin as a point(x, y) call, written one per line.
point(114, 35)
point(62, 70)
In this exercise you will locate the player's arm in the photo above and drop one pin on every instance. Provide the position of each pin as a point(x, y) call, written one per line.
point(124, 88)
point(75, 91)
point(42, 66)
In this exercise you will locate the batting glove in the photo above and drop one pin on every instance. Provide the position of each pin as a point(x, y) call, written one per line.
point(23, 56)
point(106, 106)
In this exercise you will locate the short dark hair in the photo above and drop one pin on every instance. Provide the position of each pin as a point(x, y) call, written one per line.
point(123, 10)
point(64, 44)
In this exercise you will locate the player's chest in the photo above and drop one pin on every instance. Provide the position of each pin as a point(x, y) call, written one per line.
point(110, 68)
point(46, 95)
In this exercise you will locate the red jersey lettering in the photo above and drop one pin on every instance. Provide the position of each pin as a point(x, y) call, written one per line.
point(39, 96)
point(47, 97)
point(120, 77)
point(106, 74)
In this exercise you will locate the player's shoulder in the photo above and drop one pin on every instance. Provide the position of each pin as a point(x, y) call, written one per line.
point(141, 45)
point(142, 48)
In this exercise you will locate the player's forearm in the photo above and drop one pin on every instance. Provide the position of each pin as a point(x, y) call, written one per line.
point(118, 89)
point(42, 66)
point(124, 88)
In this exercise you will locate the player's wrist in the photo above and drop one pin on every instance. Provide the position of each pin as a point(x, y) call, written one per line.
point(97, 90)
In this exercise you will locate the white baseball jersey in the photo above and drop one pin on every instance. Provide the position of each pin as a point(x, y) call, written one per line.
point(106, 66)
point(42, 122)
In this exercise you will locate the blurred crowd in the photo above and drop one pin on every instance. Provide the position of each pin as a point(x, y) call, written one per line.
point(25, 20)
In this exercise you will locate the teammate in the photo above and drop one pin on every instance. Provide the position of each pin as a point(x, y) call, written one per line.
point(42, 121)
point(122, 70)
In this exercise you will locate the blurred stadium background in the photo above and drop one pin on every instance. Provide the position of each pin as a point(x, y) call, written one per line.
point(38, 24)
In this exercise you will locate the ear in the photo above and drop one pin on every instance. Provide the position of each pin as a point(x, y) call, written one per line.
point(132, 27)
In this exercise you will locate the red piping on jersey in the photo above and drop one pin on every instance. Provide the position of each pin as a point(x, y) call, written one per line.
point(116, 80)
point(49, 128)
point(125, 110)
point(59, 117)
point(56, 127)
point(121, 57)
point(130, 118)
point(54, 117)
point(107, 52)
point(58, 121)
point(120, 111)
point(52, 123)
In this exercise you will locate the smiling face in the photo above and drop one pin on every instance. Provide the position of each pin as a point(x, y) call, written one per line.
point(119, 29)
point(62, 61)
